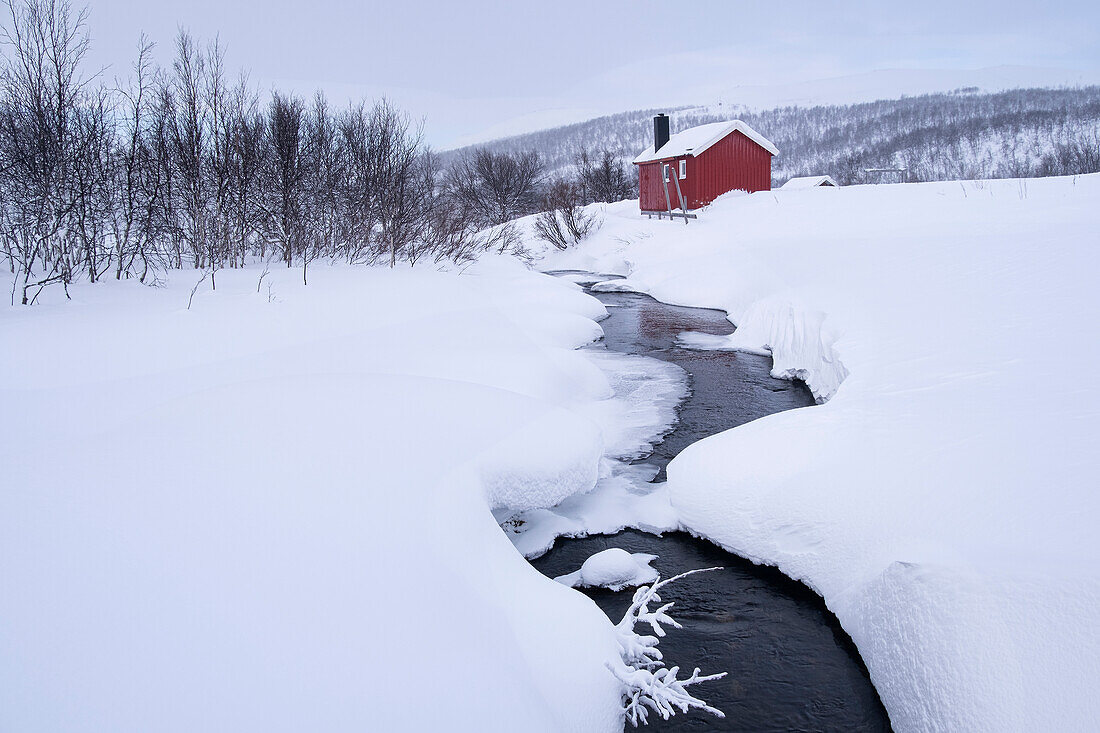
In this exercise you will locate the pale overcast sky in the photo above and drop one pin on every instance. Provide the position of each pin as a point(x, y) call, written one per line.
point(476, 66)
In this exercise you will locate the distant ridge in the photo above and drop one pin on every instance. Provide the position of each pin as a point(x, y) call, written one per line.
point(884, 84)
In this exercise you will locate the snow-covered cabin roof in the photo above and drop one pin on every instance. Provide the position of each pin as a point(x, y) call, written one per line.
point(695, 140)
point(808, 182)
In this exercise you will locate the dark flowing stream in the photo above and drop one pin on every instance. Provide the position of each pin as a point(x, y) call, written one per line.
point(791, 666)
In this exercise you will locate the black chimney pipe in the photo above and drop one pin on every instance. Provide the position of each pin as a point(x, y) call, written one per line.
point(660, 131)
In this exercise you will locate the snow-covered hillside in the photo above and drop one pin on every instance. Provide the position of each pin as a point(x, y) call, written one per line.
point(879, 84)
point(717, 92)
point(964, 133)
point(943, 498)
point(272, 511)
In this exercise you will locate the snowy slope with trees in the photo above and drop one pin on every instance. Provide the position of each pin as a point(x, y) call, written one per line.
point(942, 498)
point(944, 136)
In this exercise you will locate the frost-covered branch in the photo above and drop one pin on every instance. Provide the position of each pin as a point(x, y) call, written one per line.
point(660, 691)
point(647, 683)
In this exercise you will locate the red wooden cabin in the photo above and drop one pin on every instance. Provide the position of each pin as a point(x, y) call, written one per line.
point(706, 161)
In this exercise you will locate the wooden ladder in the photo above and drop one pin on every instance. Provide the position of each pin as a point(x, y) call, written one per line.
point(679, 194)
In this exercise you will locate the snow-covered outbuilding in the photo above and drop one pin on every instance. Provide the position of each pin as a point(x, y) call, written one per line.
point(704, 162)
point(809, 182)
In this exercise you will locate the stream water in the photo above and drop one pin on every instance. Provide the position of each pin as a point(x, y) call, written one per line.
point(791, 666)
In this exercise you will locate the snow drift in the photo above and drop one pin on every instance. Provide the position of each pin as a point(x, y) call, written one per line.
point(273, 513)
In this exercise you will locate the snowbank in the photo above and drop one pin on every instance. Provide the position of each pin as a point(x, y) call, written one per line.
point(543, 463)
point(942, 499)
point(271, 511)
point(641, 409)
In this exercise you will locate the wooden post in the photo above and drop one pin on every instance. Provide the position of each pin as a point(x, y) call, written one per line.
point(683, 206)
point(664, 181)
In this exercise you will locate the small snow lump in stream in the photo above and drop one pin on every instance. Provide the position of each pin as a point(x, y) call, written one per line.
point(614, 569)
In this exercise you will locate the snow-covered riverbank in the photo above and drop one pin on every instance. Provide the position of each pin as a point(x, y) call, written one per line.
point(271, 511)
point(943, 499)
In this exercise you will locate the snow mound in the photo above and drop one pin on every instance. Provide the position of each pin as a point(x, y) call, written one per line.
point(624, 497)
point(614, 569)
point(641, 409)
point(540, 464)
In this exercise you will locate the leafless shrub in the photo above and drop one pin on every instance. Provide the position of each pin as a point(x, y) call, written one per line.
point(496, 187)
point(564, 221)
point(604, 176)
point(263, 274)
point(403, 179)
point(195, 287)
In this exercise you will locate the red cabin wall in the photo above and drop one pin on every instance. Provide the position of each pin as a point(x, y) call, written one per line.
point(733, 163)
point(651, 187)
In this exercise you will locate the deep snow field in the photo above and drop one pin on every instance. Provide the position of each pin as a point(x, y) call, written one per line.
point(275, 510)
point(943, 499)
point(271, 511)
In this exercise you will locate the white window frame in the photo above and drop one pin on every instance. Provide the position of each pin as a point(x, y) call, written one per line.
point(664, 171)
point(683, 169)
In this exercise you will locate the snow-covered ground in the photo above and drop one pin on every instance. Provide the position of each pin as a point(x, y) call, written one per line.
point(272, 511)
point(943, 498)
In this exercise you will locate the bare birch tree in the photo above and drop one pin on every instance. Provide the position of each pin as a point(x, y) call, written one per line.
point(44, 87)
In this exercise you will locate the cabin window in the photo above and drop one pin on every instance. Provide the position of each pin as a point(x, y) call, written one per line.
point(664, 171)
point(683, 169)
